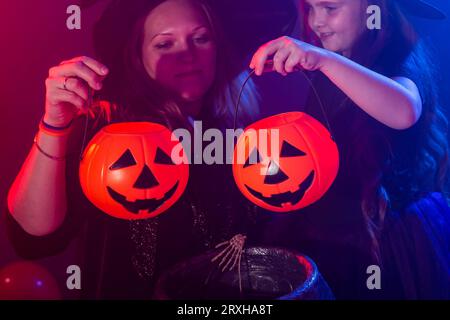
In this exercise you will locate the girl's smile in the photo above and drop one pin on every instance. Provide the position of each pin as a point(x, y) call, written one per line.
point(337, 23)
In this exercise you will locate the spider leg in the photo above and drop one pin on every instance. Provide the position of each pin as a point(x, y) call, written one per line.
point(239, 273)
point(222, 244)
point(221, 253)
point(236, 258)
point(225, 257)
point(232, 257)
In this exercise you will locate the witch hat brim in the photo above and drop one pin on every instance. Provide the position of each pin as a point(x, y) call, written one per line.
point(422, 9)
point(254, 22)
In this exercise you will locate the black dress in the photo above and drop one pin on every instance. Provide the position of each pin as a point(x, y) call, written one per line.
point(415, 240)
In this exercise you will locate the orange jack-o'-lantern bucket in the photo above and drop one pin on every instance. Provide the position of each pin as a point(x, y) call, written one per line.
point(294, 170)
point(127, 170)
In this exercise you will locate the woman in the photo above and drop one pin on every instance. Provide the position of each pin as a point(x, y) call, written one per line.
point(386, 206)
point(171, 66)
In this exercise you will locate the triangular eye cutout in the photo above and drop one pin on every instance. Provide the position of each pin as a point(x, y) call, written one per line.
point(288, 150)
point(255, 157)
point(126, 160)
point(274, 174)
point(162, 158)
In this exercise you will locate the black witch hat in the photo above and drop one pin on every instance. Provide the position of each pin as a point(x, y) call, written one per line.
point(422, 9)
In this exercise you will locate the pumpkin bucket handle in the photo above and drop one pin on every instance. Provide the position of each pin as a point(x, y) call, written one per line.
point(268, 64)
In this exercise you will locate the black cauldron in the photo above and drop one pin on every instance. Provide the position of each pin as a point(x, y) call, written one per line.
point(265, 273)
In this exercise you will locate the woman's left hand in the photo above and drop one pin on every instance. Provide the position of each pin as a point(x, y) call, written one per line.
point(288, 54)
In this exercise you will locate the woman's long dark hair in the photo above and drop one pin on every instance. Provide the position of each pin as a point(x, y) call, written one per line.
point(416, 160)
point(137, 97)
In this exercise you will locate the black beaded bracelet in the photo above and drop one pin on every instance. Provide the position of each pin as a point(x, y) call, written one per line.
point(48, 126)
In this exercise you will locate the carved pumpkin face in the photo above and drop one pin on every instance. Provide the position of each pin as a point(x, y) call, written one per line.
point(127, 170)
point(305, 165)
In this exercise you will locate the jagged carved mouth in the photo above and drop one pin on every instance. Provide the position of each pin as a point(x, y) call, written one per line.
point(293, 198)
point(141, 204)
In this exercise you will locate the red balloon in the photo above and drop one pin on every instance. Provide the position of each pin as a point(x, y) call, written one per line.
point(296, 169)
point(25, 280)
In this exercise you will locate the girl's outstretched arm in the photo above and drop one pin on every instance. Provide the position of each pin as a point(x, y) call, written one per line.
point(394, 102)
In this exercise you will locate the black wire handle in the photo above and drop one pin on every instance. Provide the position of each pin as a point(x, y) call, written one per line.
point(86, 123)
point(269, 64)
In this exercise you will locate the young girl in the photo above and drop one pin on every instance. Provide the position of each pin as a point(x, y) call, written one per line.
point(386, 206)
point(167, 62)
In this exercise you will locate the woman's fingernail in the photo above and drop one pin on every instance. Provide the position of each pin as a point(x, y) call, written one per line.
point(104, 70)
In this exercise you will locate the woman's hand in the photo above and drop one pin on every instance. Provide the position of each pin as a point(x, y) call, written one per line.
point(68, 87)
point(288, 54)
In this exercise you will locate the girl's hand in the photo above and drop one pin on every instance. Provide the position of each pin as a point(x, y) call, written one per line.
point(67, 89)
point(288, 54)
